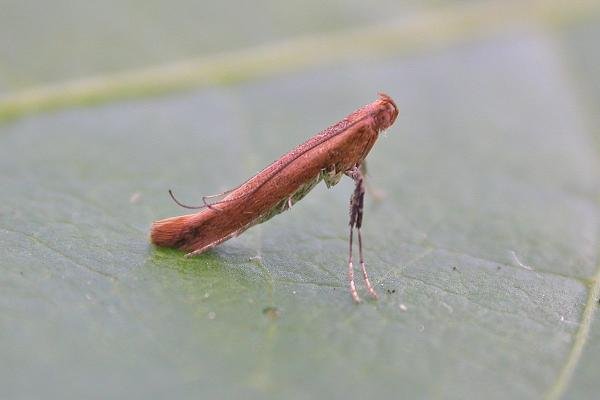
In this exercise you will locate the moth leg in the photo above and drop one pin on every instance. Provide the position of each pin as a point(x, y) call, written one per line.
point(376, 193)
point(217, 242)
point(363, 168)
point(287, 204)
point(194, 253)
point(356, 215)
point(370, 288)
point(353, 291)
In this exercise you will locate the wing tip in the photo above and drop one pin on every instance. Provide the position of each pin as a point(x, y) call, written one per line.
point(167, 232)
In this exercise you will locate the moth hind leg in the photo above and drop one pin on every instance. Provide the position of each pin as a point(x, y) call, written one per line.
point(205, 247)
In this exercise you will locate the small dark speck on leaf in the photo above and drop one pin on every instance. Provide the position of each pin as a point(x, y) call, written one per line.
point(271, 312)
point(391, 291)
point(454, 269)
point(498, 268)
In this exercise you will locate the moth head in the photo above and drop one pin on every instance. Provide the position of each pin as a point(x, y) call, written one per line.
point(386, 112)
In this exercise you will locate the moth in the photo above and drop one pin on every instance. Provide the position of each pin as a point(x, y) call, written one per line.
point(336, 151)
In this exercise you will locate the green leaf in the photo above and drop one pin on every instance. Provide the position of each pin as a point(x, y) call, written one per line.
point(484, 248)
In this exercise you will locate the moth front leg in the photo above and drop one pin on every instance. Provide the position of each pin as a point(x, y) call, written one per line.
point(356, 215)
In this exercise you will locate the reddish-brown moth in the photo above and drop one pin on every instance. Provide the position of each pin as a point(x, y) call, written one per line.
point(338, 150)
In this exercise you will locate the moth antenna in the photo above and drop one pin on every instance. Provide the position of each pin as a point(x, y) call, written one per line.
point(183, 205)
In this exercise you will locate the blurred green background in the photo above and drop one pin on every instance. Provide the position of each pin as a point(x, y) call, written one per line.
point(484, 248)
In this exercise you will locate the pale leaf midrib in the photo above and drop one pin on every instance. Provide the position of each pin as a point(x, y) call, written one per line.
point(435, 27)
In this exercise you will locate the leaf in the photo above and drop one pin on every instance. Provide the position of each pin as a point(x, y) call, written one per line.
point(484, 248)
